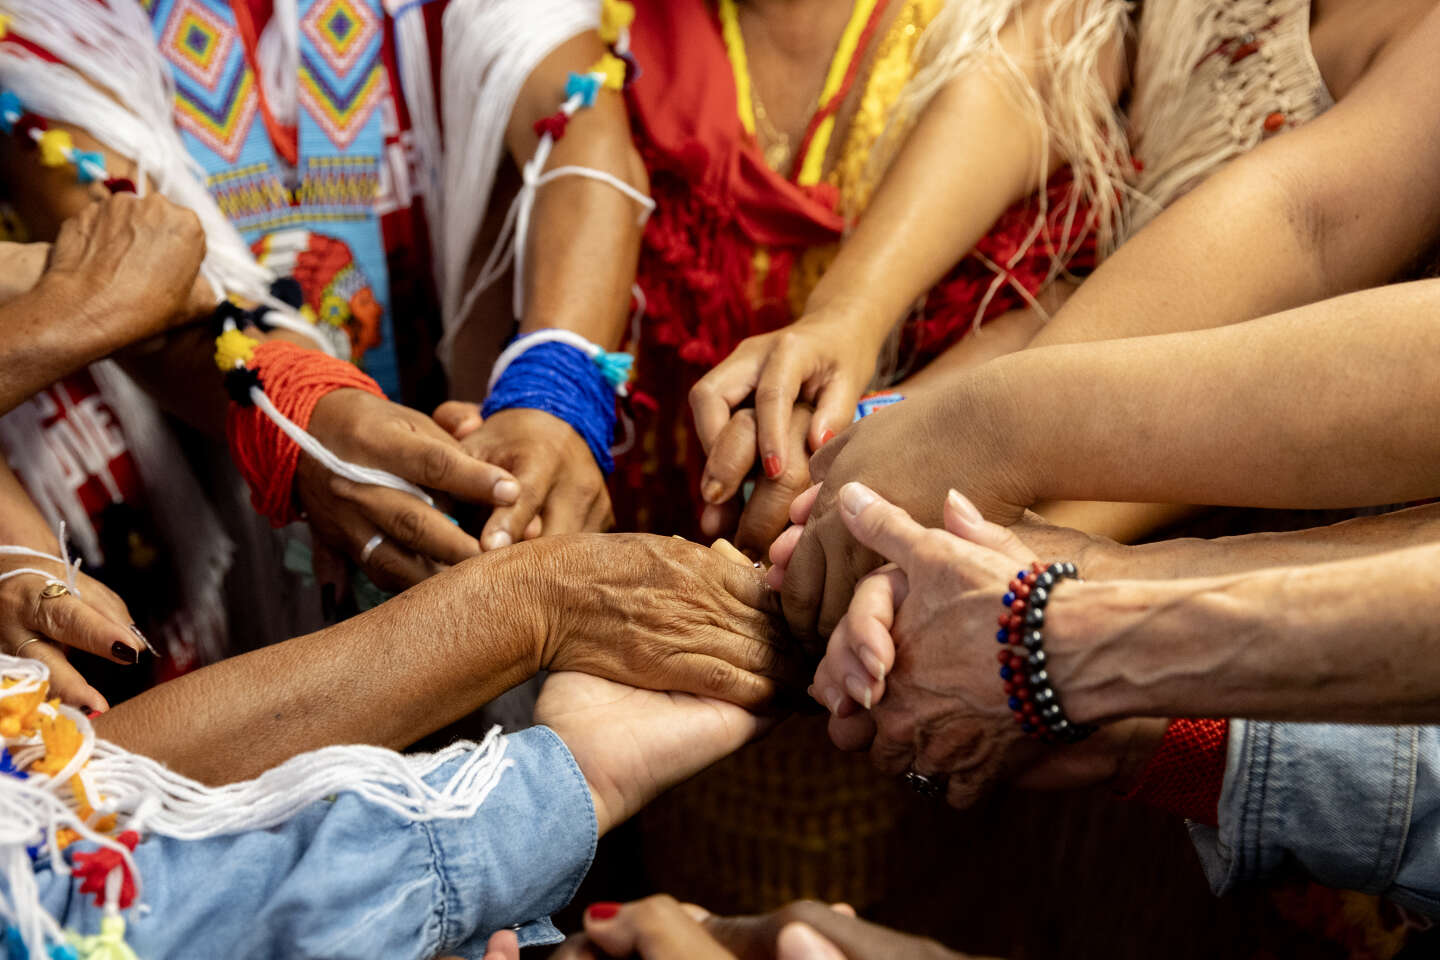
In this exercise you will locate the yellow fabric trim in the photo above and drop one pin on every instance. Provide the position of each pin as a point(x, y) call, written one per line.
point(739, 64)
point(813, 164)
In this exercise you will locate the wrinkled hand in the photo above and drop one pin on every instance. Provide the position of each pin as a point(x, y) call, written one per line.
point(910, 453)
point(561, 487)
point(132, 263)
point(659, 928)
point(660, 613)
point(632, 744)
point(96, 621)
point(419, 540)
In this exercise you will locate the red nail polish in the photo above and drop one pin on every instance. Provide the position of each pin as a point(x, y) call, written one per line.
point(772, 466)
point(605, 910)
point(826, 437)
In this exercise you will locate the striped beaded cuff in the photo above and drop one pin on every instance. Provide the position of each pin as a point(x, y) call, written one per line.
point(1032, 698)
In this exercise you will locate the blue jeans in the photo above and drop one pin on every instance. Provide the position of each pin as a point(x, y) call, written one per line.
point(1355, 807)
point(349, 879)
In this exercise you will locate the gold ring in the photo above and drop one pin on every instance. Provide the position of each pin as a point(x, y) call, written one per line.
point(53, 589)
point(26, 644)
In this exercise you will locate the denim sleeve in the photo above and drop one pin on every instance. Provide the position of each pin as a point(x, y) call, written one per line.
point(348, 879)
point(1355, 807)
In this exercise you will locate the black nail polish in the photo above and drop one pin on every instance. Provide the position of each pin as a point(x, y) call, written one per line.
point(327, 602)
point(123, 652)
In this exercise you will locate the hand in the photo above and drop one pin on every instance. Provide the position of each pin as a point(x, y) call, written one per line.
point(917, 643)
point(94, 620)
point(632, 744)
point(910, 453)
point(764, 514)
point(659, 928)
point(825, 358)
point(656, 612)
point(561, 487)
point(132, 266)
point(419, 540)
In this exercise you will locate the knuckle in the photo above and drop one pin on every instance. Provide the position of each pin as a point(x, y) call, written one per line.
point(768, 393)
point(408, 527)
point(436, 465)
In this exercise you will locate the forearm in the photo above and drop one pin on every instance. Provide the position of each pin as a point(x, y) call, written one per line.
point(584, 237)
point(1343, 203)
point(974, 152)
point(1296, 410)
point(21, 523)
point(388, 677)
point(1352, 641)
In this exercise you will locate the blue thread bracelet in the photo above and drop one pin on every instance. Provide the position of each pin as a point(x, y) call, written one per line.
point(565, 382)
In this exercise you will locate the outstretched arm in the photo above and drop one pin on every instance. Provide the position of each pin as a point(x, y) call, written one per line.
point(1345, 202)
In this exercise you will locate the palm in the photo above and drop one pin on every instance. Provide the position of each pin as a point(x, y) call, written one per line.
point(633, 744)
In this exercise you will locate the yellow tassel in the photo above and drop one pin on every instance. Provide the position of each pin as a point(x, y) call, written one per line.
point(234, 348)
point(55, 147)
point(108, 944)
point(4, 26)
point(615, 15)
point(613, 68)
point(18, 713)
point(62, 741)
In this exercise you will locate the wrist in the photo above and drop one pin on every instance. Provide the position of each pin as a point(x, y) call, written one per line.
point(860, 321)
point(1089, 639)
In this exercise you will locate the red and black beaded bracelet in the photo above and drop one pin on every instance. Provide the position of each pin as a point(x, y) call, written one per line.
point(1032, 698)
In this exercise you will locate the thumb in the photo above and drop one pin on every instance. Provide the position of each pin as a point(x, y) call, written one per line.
point(799, 941)
point(879, 524)
point(963, 519)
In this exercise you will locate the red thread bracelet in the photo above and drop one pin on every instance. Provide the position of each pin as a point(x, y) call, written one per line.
point(1187, 772)
point(294, 378)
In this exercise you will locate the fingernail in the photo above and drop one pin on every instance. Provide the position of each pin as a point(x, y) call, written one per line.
point(855, 497)
point(826, 437)
point(872, 663)
point(505, 492)
point(772, 465)
point(470, 425)
point(89, 711)
point(962, 505)
point(143, 639)
point(123, 652)
point(497, 540)
point(605, 910)
point(327, 602)
point(858, 689)
point(834, 699)
point(711, 490)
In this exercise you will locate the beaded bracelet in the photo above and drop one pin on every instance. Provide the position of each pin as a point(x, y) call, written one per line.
point(1032, 698)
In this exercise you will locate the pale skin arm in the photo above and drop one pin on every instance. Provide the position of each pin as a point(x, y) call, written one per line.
point(583, 245)
point(1352, 641)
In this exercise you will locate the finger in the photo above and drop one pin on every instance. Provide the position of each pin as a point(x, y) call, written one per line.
point(503, 945)
point(68, 620)
point(567, 509)
point(717, 393)
point(871, 617)
point(536, 476)
point(732, 457)
point(775, 396)
point(784, 547)
point(459, 418)
point(800, 941)
point(834, 411)
point(534, 529)
point(656, 928)
point(408, 523)
point(765, 514)
point(393, 569)
point(65, 681)
point(964, 520)
point(890, 756)
point(801, 506)
point(804, 585)
point(854, 733)
point(713, 677)
point(845, 565)
point(878, 524)
point(844, 909)
point(418, 450)
point(727, 550)
point(719, 520)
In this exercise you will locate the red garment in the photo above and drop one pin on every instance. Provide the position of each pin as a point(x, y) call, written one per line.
point(717, 204)
point(1187, 772)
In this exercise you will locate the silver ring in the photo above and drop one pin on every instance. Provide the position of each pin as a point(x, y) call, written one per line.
point(370, 546)
point(26, 644)
point(925, 786)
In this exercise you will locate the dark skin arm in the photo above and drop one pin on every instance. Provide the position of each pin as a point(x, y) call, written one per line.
point(584, 242)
